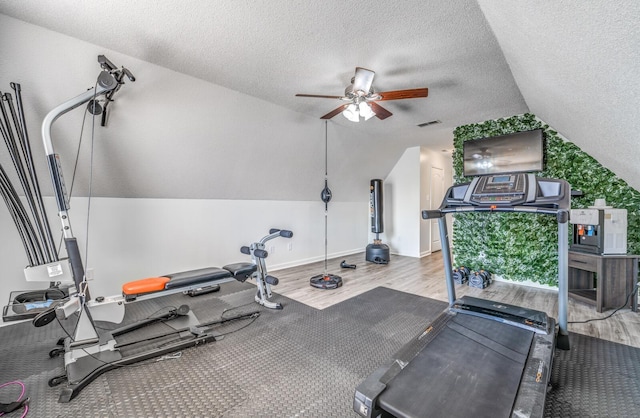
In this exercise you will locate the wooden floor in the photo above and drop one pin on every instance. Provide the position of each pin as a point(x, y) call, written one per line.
point(425, 277)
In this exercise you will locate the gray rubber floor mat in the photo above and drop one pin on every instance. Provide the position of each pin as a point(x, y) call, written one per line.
point(295, 362)
point(596, 378)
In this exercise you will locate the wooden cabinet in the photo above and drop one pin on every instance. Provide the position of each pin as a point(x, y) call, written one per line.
point(603, 280)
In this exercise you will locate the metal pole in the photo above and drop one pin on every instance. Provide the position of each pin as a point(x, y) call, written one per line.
point(563, 275)
point(105, 83)
point(446, 257)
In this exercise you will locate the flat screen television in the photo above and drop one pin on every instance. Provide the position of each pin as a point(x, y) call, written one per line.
point(521, 152)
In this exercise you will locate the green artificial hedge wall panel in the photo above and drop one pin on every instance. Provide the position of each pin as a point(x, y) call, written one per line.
point(523, 247)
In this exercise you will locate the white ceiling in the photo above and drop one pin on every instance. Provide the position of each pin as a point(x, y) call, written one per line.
point(572, 63)
point(273, 49)
point(577, 65)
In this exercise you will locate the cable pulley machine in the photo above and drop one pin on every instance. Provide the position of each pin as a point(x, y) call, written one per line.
point(498, 355)
point(88, 353)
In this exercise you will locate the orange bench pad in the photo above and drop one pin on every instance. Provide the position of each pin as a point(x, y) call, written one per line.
point(148, 285)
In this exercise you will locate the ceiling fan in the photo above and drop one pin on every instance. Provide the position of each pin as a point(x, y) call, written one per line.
point(361, 100)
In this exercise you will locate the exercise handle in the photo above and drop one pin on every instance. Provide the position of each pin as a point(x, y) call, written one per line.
point(261, 253)
point(271, 280)
point(245, 250)
point(283, 232)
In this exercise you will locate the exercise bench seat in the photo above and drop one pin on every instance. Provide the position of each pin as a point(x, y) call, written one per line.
point(148, 285)
point(175, 281)
point(241, 271)
point(194, 277)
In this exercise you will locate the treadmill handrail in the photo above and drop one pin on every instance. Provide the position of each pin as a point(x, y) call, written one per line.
point(562, 203)
point(460, 197)
point(437, 213)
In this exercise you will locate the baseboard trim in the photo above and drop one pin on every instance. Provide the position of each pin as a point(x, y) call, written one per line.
point(309, 260)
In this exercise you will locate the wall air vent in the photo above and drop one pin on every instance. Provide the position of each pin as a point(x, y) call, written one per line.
point(433, 122)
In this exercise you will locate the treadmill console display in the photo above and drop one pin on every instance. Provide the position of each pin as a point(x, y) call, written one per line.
point(505, 192)
point(500, 189)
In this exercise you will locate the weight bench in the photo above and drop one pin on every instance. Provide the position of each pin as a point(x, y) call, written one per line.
point(192, 282)
point(206, 280)
point(87, 354)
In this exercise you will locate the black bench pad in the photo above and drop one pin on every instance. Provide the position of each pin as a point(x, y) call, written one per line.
point(191, 277)
point(241, 271)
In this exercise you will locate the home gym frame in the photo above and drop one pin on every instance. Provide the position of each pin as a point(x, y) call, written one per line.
point(87, 354)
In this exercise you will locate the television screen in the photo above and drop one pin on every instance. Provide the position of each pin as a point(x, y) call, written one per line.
point(521, 152)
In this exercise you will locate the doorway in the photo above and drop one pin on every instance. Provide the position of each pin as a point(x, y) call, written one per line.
point(436, 195)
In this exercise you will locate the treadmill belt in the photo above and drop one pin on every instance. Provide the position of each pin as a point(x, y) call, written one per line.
point(471, 368)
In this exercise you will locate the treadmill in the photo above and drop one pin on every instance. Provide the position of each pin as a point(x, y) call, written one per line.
point(479, 358)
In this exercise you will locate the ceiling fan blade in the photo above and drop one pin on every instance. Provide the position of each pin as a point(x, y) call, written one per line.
point(335, 111)
point(363, 80)
point(381, 112)
point(403, 94)
point(320, 96)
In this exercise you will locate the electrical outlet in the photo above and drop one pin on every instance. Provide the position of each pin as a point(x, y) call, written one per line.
point(272, 249)
point(88, 274)
point(290, 246)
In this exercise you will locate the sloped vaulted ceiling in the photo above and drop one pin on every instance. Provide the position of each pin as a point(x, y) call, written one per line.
point(577, 65)
point(574, 64)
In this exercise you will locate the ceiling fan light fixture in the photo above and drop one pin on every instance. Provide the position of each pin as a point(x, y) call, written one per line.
point(365, 111)
point(352, 113)
point(361, 98)
point(484, 164)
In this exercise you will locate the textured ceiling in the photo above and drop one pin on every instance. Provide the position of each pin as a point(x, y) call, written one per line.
point(577, 65)
point(574, 64)
point(273, 49)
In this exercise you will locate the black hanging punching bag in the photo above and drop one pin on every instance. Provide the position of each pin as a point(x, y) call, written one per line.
point(376, 252)
point(375, 207)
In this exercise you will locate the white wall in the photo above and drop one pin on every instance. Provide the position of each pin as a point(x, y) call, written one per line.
point(186, 171)
point(407, 193)
point(131, 239)
point(175, 136)
point(430, 159)
point(425, 202)
point(402, 202)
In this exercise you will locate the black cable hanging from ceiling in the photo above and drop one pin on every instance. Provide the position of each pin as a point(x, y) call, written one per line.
point(326, 280)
